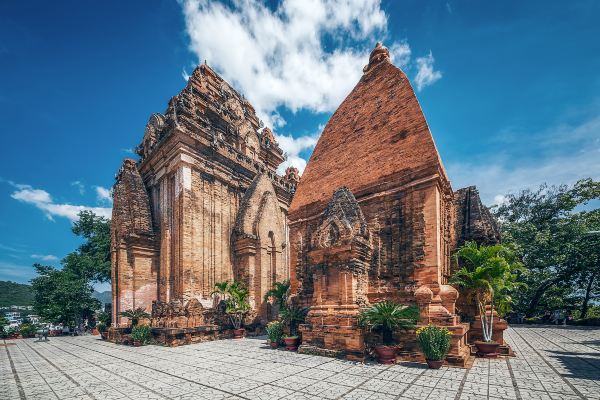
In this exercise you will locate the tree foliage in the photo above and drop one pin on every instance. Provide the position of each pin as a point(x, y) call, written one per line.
point(66, 295)
point(549, 229)
point(490, 274)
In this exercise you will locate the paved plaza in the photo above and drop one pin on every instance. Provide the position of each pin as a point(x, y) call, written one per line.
point(551, 363)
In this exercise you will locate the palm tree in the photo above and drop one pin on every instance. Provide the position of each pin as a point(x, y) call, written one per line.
point(237, 304)
point(490, 274)
point(135, 315)
point(221, 289)
point(388, 316)
point(279, 293)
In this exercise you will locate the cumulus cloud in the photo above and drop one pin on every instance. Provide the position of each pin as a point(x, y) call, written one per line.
point(44, 201)
point(303, 55)
point(426, 74)
point(560, 155)
point(47, 257)
point(103, 194)
point(293, 147)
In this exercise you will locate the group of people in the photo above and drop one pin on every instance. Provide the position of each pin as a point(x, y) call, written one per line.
point(558, 317)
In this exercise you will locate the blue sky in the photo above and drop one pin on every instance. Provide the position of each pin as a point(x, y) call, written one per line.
point(511, 90)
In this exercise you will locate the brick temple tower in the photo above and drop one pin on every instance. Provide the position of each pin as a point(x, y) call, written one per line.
point(374, 217)
point(203, 204)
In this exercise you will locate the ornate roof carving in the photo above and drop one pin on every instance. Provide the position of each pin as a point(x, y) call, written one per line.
point(341, 223)
point(131, 208)
point(209, 107)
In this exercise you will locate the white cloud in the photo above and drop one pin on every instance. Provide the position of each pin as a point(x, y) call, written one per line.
point(47, 257)
point(103, 194)
point(306, 54)
point(43, 201)
point(560, 155)
point(80, 186)
point(426, 75)
point(293, 147)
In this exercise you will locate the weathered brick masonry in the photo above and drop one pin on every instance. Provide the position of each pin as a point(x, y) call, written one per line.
point(373, 217)
point(202, 205)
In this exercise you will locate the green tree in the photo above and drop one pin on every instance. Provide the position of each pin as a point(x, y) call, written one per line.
point(279, 293)
point(489, 273)
point(65, 295)
point(548, 230)
point(91, 260)
point(60, 296)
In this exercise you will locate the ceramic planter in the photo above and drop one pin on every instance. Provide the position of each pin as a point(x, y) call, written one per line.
point(274, 345)
point(386, 354)
point(291, 343)
point(137, 343)
point(487, 349)
point(239, 333)
point(435, 364)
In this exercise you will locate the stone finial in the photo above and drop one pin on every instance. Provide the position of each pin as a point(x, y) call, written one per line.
point(379, 54)
point(424, 295)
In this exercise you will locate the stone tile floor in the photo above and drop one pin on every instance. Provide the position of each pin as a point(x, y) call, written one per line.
point(551, 363)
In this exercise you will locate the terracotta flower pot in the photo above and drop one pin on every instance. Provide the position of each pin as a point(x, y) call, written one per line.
point(238, 333)
point(103, 335)
point(274, 345)
point(386, 354)
point(291, 343)
point(137, 343)
point(487, 349)
point(435, 364)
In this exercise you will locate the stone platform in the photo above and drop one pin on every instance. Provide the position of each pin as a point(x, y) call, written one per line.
point(551, 363)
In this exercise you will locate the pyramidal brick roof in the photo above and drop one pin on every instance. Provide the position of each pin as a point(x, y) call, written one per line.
point(377, 137)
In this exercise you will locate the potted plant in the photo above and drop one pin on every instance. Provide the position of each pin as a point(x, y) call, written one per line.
point(135, 315)
point(435, 344)
point(27, 330)
point(102, 329)
point(489, 274)
point(141, 334)
point(293, 315)
point(275, 333)
point(387, 317)
point(237, 306)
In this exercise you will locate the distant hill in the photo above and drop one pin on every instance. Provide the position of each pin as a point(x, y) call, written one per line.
point(15, 294)
point(103, 297)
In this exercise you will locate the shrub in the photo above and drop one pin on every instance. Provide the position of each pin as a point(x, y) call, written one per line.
point(27, 330)
point(275, 331)
point(101, 327)
point(434, 341)
point(387, 316)
point(141, 333)
point(135, 315)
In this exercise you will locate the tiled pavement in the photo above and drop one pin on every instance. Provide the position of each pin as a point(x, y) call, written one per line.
point(552, 363)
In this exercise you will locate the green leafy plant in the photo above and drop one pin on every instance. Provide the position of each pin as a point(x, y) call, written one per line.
point(489, 273)
point(236, 298)
point(294, 315)
point(27, 330)
point(434, 341)
point(387, 317)
point(135, 315)
point(279, 294)
point(141, 333)
point(275, 331)
point(101, 327)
